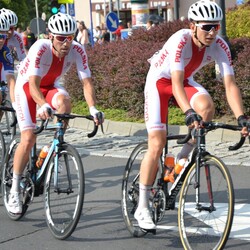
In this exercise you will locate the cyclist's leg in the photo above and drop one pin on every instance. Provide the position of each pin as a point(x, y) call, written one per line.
point(26, 121)
point(59, 100)
point(203, 105)
point(157, 94)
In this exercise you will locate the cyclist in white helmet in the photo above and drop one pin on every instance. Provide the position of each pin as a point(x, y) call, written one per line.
point(14, 40)
point(6, 60)
point(38, 84)
point(171, 74)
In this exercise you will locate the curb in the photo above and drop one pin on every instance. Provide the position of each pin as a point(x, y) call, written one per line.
point(139, 129)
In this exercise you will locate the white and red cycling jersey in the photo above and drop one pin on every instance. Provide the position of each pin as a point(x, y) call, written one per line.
point(179, 53)
point(16, 43)
point(41, 61)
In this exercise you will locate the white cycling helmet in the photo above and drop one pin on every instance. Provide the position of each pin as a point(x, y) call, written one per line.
point(4, 24)
point(205, 10)
point(62, 24)
point(10, 15)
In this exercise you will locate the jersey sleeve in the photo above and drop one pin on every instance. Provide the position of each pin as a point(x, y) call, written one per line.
point(223, 57)
point(81, 60)
point(19, 46)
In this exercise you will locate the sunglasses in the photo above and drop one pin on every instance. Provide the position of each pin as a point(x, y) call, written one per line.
point(208, 27)
point(63, 39)
point(12, 28)
point(3, 36)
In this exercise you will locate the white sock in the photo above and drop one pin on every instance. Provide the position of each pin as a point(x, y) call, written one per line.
point(16, 183)
point(144, 196)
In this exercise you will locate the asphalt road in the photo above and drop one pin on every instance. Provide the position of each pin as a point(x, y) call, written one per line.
point(101, 225)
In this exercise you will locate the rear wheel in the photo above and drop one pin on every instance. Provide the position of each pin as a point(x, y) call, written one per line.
point(130, 189)
point(64, 194)
point(206, 223)
point(26, 184)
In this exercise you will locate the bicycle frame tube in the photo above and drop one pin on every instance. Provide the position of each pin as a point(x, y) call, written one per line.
point(46, 160)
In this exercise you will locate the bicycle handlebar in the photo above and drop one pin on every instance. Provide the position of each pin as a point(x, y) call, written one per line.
point(209, 126)
point(44, 123)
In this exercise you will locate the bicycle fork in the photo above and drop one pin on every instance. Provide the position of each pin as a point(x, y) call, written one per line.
point(201, 146)
point(57, 170)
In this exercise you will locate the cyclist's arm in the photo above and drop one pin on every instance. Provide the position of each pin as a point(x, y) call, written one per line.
point(179, 93)
point(36, 94)
point(234, 98)
point(11, 84)
point(89, 92)
point(233, 95)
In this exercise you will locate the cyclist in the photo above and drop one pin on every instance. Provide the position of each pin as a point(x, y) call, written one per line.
point(171, 74)
point(14, 40)
point(38, 84)
point(6, 60)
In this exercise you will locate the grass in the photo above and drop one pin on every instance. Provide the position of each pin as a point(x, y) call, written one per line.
point(176, 116)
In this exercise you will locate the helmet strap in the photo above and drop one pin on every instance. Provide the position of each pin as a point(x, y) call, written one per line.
point(196, 37)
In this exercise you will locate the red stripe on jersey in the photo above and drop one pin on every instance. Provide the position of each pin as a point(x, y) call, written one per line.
point(54, 71)
point(197, 56)
point(164, 87)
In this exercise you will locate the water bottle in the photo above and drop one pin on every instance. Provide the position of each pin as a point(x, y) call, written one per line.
point(169, 168)
point(42, 155)
point(179, 166)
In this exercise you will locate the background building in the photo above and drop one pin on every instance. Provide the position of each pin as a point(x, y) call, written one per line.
point(100, 8)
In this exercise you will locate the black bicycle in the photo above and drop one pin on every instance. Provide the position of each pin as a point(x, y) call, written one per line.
point(60, 178)
point(206, 199)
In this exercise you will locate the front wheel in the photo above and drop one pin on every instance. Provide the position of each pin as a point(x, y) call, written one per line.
point(64, 192)
point(206, 211)
point(8, 120)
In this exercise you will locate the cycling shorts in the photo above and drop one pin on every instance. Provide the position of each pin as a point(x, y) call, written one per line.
point(157, 94)
point(26, 106)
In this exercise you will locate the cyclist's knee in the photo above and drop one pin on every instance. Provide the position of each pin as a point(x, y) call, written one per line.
point(63, 104)
point(156, 142)
point(204, 106)
point(28, 139)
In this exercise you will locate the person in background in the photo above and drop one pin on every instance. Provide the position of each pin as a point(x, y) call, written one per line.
point(29, 38)
point(97, 34)
point(149, 25)
point(117, 33)
point(14, 40)
point(105, 36)
point(6, 60)
point(83, 34)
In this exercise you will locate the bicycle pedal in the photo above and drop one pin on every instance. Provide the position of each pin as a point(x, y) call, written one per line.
point(153, 231)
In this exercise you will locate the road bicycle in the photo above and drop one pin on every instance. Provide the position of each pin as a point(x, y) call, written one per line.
point(61, 179)
point(206, 199)
point(7, 115)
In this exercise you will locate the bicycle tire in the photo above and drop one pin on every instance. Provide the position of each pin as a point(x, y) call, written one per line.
point(2, 149)
point(206, 229)
point(130, 189)
point(63, 209)
point(8, 119)
point(7, 174)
